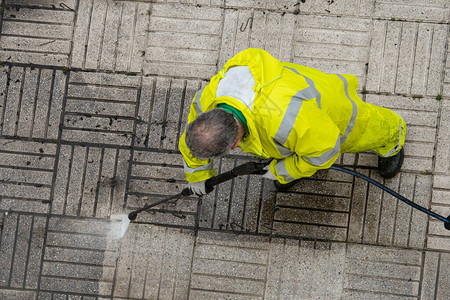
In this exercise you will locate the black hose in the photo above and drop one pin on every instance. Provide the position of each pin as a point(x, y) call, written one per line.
point(386, 189)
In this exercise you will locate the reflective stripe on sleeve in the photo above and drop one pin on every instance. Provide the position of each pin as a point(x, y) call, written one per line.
point(292, 111)
point(187, 169)
point(198, 106)
point(282, 171)
point(287, 124)
point(283, 150)
point(310, 92)
point(351, 124)
point(322, 159)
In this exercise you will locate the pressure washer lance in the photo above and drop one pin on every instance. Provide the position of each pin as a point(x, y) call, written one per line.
point(244, 169)
point(386, 189)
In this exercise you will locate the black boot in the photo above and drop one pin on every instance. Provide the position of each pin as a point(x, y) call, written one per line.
point(284, 187)
point(389, 167)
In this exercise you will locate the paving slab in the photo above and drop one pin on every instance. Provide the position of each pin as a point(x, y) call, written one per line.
point(95, 94)
point(37, 32)
point(174, 46)
point(149, 268)
point(406, 58)
point(100, 108)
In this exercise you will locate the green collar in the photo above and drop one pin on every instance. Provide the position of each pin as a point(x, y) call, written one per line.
point(236, 113)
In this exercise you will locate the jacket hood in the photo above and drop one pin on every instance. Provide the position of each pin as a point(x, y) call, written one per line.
point(264, 67)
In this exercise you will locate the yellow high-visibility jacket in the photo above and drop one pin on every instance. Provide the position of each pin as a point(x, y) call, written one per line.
point(301, 117)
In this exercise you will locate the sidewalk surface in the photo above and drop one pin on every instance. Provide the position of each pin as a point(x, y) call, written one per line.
point(94, 95)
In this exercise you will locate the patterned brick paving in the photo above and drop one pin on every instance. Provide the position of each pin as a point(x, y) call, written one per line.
point(94, 95)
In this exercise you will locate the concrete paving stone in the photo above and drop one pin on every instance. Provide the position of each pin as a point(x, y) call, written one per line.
point(406, 58)
point(191, 2)
point(315, 208)
point(110, 35)
point(378, 217)
point(446, 89)
point(163, 109)
point(283, 6)
point(63, 296)
point(148, 268)
point(374, 272)
point(442, 164)
point(149, 171)
point(316, 231)
point(89, 271)
point(340, 8)
point(426, 11)
point(441, 181)
point(438, 237)
point(26, 174)
point(271, 31)
point(68, 296)
point(183, 46)
point(154, 187)
point(33, 34)
point(105, 79)
point(319, 45)
point(14, 28)
point(81, 135)
point(296, 270)
point(227, 266)
point(13, 42)
point(17, 295)
point(42, 3)
point(435, 284)
point(81, 286)
point(32, 102)
point(83, 272)
point(60, 16)
point(163, 159)
point(21, 248)
point(100, 109)
point(90, 181)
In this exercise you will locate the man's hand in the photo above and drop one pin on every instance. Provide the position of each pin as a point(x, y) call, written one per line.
point(198, 188)
point(268, 173)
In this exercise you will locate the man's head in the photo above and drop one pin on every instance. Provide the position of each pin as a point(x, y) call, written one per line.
point(212, 134)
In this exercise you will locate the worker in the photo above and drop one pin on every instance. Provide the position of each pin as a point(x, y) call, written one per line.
point(300, 117)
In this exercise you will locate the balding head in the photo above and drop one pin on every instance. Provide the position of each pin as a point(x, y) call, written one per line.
point(212, 133)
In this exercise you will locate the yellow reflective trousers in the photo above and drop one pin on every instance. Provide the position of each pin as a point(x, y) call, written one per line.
point(301, 117)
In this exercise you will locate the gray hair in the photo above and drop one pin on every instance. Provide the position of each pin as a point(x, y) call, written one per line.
point(213, 133)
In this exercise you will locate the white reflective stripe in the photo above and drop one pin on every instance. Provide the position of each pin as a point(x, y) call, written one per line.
point(198, 106)
point(399, 141)
point(282, 171)
point(283, 150)
point(187, 169)
point(287, 124)
point(351, 124)
point(311, 92)
point(325, 157)
point(238, 84)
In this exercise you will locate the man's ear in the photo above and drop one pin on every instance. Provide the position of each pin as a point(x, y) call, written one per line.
point(236, 144)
